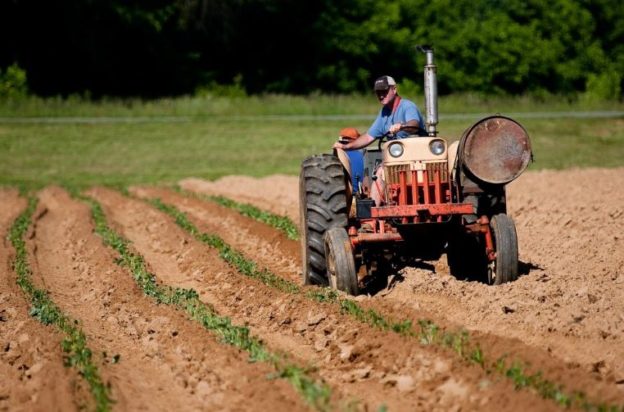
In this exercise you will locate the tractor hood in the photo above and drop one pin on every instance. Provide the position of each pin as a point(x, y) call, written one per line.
point(495, 150)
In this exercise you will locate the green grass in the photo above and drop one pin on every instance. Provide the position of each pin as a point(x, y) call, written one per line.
point(427, 333)
point(210, 141)
point(74, 344)
point(317, 394)
point(271, 104)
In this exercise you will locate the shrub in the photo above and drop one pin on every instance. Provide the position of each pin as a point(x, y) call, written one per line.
point(214, 89)
point(603, 86)
point(13, 83)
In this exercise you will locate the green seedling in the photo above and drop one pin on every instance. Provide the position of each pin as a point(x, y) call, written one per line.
point(428, 334)
point(315, 393)
point(282, 223)
point(279, 222)
point(74, 344)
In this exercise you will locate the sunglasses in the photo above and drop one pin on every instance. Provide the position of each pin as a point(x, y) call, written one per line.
point(382, 93)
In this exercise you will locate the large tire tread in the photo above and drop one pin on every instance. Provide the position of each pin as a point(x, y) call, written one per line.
point(323, 205)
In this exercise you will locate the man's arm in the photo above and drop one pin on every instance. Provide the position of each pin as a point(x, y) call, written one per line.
point(397, 126)
point(362, 141)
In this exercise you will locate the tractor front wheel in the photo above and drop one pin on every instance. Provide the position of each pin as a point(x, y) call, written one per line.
point(340, 264)
point(504, 268)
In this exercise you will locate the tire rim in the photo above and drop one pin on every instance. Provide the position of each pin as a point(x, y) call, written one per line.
point(331, 270)
point(492, 264)
point(492, 271)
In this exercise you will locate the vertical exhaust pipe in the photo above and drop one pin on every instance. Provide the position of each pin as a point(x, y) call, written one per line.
point(431, 91)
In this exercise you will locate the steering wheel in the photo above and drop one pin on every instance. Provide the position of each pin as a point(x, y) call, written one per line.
point(383, 137)
point(388, 135)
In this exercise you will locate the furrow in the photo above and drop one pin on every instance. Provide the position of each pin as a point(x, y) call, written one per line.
point(381, 367)
point(31, 358)
point(151, 356)
point(526, 366)
point(251, 386)
point(281, 223)
point(74, 344)
point(568, 301)
point(275, 194)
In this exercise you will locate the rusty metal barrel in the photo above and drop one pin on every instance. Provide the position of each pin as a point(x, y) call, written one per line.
point(495, 150)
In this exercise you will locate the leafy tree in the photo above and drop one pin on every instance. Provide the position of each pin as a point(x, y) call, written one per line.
point(168, 47)
point(13, 83)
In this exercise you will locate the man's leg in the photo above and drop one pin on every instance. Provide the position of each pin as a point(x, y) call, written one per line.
point(378, 189)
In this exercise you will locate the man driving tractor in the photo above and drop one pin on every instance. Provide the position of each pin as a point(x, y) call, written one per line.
point(430, 198)
point(396, 115)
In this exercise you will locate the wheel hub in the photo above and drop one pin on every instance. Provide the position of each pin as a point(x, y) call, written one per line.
point(331, 270)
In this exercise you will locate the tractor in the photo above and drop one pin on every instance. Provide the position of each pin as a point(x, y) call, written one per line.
point(439, 198)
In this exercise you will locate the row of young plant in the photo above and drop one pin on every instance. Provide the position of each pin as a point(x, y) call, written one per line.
point(74, 344)
point(316, 393)
point(281, 223)
point(427, 332)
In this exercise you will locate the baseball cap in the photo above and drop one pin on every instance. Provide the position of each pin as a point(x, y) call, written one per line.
point(384, 83)
point(349, 133)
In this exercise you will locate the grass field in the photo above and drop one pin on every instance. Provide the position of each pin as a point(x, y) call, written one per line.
point(123, 142)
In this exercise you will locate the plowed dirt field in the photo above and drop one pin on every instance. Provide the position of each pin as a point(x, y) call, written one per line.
point(564, 317)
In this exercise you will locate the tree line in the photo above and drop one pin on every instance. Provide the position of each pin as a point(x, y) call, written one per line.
point(155, 48)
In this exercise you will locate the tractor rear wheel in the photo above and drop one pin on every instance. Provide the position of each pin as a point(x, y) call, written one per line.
point(505, 267)
point(340, 264)
point(323, 205)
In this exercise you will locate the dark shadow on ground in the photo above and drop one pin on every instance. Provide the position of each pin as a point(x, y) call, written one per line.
point(387, 275)
point(524, 268)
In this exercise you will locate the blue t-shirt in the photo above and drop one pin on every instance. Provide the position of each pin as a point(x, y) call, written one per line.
point(403, 113)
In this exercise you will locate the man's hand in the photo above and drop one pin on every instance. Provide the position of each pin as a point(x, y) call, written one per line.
point(395, 128)
point(360, 142)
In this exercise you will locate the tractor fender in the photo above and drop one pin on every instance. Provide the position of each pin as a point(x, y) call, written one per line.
point(346, 163)
point(452, 159)
point(343, 157)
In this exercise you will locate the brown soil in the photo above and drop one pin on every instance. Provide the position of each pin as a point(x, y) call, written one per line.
point(569, 303)
point(163, 357)
point(564, 316)
point(283, 189)
point(360, 363)
point(31, 360)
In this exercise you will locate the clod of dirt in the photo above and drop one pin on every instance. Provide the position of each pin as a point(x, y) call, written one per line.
point(453, 389)
point(300, 327)
point(315, 319)
point(320, 342)
point(361, 373)
point(508, 309)
point(346, 352)
point(404, 383)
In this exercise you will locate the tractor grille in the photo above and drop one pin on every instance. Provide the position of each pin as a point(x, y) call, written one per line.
point(393, 172)
point(441, 167)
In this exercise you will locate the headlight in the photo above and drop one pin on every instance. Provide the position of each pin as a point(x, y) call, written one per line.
point(437, 147)
point(395, 149)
